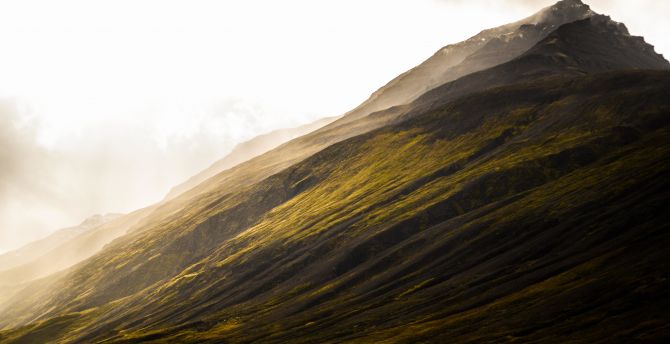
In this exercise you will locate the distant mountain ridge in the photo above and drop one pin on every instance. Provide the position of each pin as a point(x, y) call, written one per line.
point(37, 248)
point(77, 245)
point(247, 150)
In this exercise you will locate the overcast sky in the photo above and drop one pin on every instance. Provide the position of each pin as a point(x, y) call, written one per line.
point(104, 105)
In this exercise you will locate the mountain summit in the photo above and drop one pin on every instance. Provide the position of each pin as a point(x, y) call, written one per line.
point(587, 46)
point(486, 49)
point(512, 188)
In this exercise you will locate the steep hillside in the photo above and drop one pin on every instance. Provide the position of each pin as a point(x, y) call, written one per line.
point(509, 203)
point(520, 209)
point(532, 65)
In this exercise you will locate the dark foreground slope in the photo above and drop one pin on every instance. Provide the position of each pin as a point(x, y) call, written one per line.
point(532, 212)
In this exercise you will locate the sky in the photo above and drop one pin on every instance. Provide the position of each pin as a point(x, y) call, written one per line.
point(104, 105)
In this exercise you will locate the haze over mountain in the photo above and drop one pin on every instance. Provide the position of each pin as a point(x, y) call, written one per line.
point(247, 150)
point(158, 113)
point(61, 249)
point(68, 246)
point(35, 249)
point(486, 49)
point(508, 190)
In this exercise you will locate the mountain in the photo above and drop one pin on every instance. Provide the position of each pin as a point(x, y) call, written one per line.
point(247, 150)
point(587, 46)
point(37, 248)
point(524, 202)
point(357, 121)
point(461, 228)
point(69, 246)
point(489, 48)
point(66, 247)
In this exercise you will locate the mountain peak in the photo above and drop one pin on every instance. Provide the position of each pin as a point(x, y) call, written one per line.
point(570, 3)
point(562, 12)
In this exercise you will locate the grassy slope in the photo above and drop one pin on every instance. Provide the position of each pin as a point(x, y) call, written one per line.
point(517, 211)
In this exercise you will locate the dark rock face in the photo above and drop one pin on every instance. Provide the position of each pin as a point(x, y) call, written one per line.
point(599, 44)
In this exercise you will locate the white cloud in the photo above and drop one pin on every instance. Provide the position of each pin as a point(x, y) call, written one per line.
point(28, 199)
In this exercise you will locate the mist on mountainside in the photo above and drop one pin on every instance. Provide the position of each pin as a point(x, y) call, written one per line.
point(113, 168)
point(510, 187)
point(37, 248)
point(112, 125)
point(247, 150)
